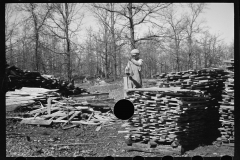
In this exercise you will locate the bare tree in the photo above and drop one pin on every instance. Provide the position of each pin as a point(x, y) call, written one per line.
point(11, 30)
point(175, 33)
point(37, 15)
point(193, 27)
point(135, 14)
point(61, 24)
point(212, 50)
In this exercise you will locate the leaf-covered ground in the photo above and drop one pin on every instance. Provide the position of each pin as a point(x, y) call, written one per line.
point(31, 140)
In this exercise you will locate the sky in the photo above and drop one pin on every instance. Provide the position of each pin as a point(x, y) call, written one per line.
point(219, 18)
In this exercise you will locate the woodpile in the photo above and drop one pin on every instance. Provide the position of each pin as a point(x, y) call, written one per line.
point(230, 65)
point(17, 78)
point(169, 115)
point(226, 109)
point(68, 113)
point(190, 119)
point(208, 80)
point(27, 96)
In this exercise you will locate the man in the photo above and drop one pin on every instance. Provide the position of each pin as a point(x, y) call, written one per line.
point(133, 70)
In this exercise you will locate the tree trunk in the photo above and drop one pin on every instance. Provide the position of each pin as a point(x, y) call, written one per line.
point(113, 43)
point(106, 60)
point(120, 62)
point(36, 51)
point(69, 70)
point(132, 38)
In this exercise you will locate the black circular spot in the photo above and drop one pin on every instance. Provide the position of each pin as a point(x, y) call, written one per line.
point(167, 158)
point(79, 158)
point(49, 158)
point(197, 158)
point(123, 109)
point(226, 157)
point(20, 158)
point(108, 158)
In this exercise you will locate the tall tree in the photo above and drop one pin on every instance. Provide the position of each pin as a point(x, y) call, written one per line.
point(37, 15)
point(175, 33)
point(193, 27)
point(135, 14)
point(11, 30)
point(64, 23)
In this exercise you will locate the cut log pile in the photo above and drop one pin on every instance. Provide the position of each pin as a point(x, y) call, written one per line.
point(166, 115)
point(68, 112)
point(208, 80)
point(27, 96)
point(226, 109)
point(17, 78)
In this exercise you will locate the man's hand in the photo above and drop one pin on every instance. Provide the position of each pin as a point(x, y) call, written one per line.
point(140, 61)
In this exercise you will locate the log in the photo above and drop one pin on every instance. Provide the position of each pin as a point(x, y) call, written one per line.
point(74, 115)
point(56, 114)
point(71, 126)
point(37, 122)
point(49, 103)
point(90, 116)
point(69, 114)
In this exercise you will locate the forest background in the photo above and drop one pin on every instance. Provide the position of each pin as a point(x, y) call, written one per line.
point(74, 40)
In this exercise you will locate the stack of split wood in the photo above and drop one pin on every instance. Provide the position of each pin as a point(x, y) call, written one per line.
point(230, 65)
point(17, 78)
point(167, 115)
point(27, 96)
point(226, 109)
point(208, 80)
point(68, 113)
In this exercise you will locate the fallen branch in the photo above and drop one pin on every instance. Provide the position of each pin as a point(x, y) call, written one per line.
point(90, 116)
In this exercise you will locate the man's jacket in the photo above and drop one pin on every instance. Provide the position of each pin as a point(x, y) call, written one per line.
point(134, 68)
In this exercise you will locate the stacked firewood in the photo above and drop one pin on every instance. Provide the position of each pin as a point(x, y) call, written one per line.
point(27, 96)
point(230, 65)
point(226, 109)
point(166, 115)
point(208, 80)
point(17, 78)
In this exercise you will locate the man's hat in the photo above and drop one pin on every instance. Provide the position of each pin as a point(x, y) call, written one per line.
point(134, 52)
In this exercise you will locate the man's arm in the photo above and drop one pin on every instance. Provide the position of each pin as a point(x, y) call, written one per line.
point(137, 62)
